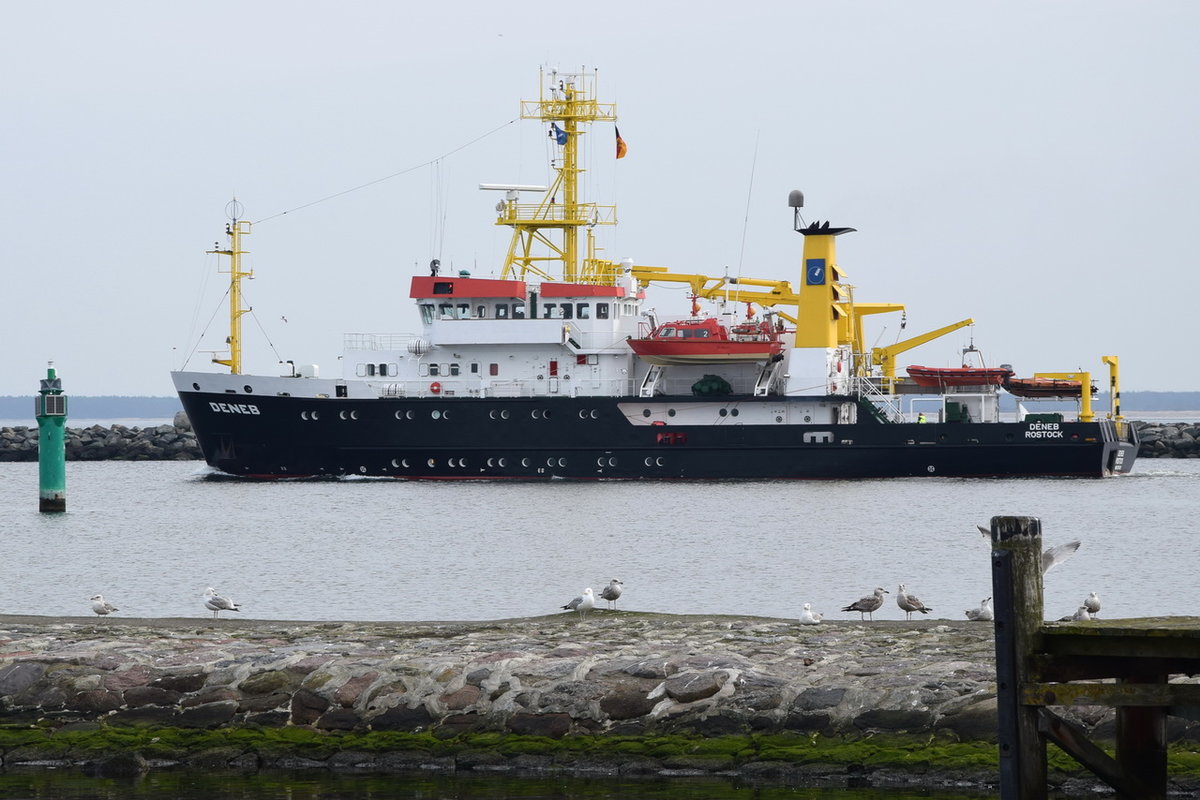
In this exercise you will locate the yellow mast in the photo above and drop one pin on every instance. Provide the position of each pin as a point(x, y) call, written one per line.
point(235, 229)
point(568, 103)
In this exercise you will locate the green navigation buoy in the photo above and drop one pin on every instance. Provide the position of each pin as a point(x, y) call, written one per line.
point(50, 408)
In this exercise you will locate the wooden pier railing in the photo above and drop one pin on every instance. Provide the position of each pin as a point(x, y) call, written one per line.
point(1124, 664)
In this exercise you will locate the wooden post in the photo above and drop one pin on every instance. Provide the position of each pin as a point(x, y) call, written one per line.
point(1142, 742)
point(1017, 593)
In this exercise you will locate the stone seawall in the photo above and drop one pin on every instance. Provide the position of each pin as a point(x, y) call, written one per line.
point(177, 442)
point(616, 692)
point(1169, 440)
point(174, 442)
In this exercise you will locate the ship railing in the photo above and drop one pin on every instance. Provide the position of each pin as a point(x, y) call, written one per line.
point(511, 213)
point(434, 386)
point(378, 341)
point(888, 404)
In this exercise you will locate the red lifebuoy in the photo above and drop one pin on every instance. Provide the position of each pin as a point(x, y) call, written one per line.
point(435, 387)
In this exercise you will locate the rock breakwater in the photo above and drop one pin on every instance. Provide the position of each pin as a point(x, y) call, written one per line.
point(175, 442)
point(1168, 440)
point(618, 692)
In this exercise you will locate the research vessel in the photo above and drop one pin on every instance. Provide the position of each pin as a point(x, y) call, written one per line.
point(553, 366)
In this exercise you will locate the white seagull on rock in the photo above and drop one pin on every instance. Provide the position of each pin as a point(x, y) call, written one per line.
point(612, 592)
point(582, 603)
point(102, 606)
point(983, 613)
point(868, 604)
point(910, 603)
point(810, 617)
point(216, 603)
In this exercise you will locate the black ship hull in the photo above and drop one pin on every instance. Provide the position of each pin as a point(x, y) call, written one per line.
point(600, 438)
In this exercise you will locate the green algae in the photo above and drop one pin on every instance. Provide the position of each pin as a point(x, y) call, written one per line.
point(910, 753)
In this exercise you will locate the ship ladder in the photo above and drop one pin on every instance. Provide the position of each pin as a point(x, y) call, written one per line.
point(766, 377)
point(650, 383)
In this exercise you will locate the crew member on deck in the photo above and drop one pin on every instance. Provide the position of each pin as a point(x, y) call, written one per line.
point(921, 417)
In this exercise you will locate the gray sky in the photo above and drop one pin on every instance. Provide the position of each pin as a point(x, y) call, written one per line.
point(1033, 165)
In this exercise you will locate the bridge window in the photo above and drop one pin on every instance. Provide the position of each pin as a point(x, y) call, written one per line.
point(370, 370)
point(566, 311)
point(481, 312)
point(502, 311)
point(583, 310)
point(446, 311)
point(518, 311)
point(601, 310)
point(426, 313)
point(464, 311)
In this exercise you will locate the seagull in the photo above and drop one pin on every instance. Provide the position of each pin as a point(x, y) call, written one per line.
point(612, 592)
point(983, 613)
point(1081, 615)
point(910, 603)
point(216, 603)
point(809, 617)
point(1051, 557)
point(868, 604)
point(1092, 604)
point(102, 606)
point(582, 603)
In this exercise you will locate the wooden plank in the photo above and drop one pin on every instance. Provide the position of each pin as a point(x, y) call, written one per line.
point(1160, 695)
point(1051, 668)
point(1074, 742)
point(1082, 639)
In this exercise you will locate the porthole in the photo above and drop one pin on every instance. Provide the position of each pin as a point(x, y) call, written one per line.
point(445, 415)
point(248, 389)
point(524, 462)
point(404, 463)
point(778, 418)
point(807, 418)
point(733, 412)
point(549, 462)
point(431, 462)
point(649, 462)
point(504, 414)
point(399, 415)
point(583, 414)
point(362, 469)
point(562, 462)
point(645, 412)
point(314, 415)
point(408, 415)
point(395, 462)
point(724, 412)
point(504, 462)
point(594, 414)
point(435, 414)
point(353, 415)
point(537, 412)
point(612, 462)
point(304, 415)
point(492, 414)
point(196, 386)
point(929, 469)
point(599, 462)
point(670, 412)
point(658, 462)
point(490, 462)
point(546, 414)
point(462, 462)
point(342, 414)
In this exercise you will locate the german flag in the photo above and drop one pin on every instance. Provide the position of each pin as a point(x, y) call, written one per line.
point(621, 147)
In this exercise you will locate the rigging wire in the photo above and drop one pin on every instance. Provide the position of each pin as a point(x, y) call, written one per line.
point(204, 332)
point(389, 177)
point(749, 194)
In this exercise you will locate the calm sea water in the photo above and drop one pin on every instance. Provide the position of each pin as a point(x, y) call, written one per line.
point(151, 536)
